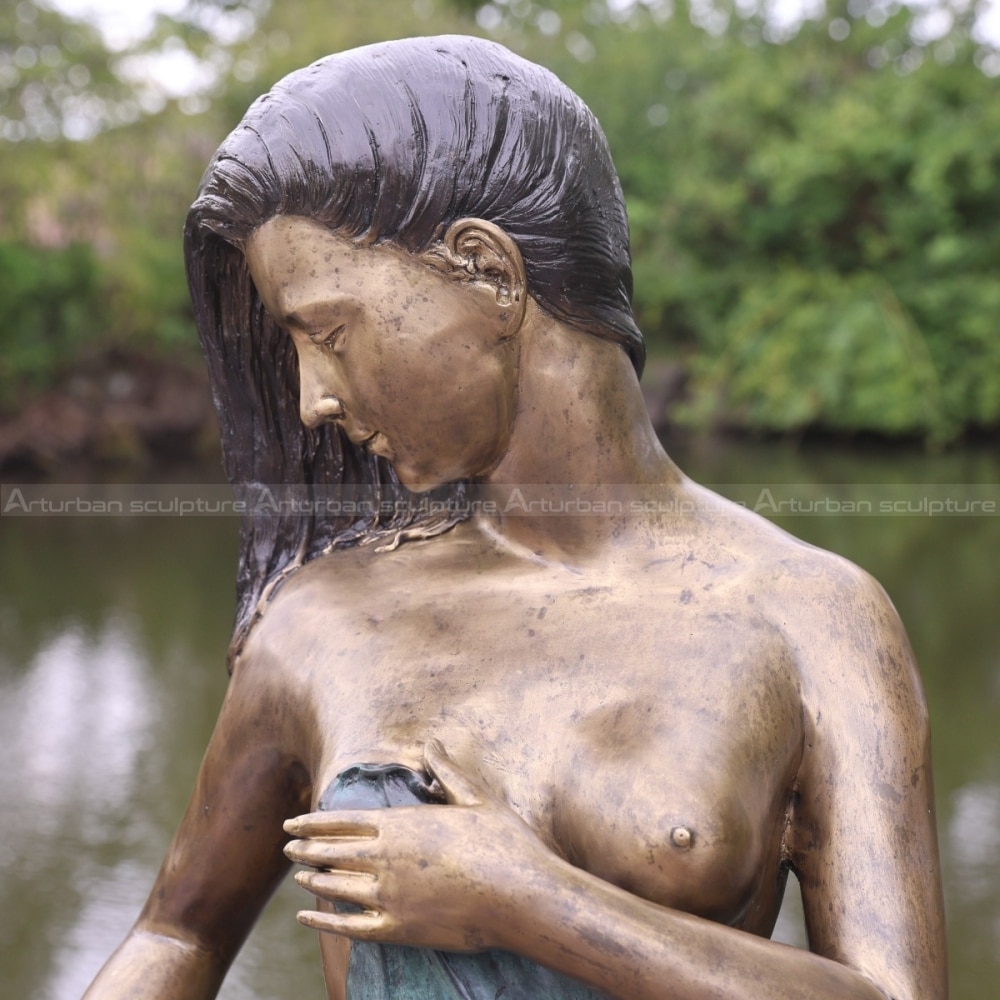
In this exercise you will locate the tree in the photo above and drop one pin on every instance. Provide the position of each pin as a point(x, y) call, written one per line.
point(812, 205)
point(812, 216)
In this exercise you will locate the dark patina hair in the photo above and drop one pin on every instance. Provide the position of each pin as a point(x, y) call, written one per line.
point(388, 143)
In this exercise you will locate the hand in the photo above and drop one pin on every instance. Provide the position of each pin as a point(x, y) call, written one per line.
point(437, 876)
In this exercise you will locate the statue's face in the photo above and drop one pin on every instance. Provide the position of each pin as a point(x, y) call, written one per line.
point(414, 364)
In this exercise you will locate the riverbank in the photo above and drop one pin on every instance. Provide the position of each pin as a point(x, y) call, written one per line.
point(116, 409)
point(121, 411)
point(125, 410)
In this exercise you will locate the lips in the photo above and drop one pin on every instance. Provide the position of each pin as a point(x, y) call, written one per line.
point(356, 435)
point(373, 441)
point(377, 444)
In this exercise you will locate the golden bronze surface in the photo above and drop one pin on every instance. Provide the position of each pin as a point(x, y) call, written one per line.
point(635, 706)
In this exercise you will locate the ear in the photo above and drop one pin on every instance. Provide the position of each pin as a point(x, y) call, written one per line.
point(480, 252)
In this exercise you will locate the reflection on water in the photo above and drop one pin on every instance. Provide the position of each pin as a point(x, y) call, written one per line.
point(974, 836)
point(111, 673)
point(973, 841)
point(50, 718)
point(74, 725)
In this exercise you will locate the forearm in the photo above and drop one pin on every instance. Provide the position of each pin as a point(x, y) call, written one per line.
point(632, 949)
point(157, 967)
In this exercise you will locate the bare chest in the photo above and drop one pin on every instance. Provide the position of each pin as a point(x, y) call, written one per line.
point(651, 742)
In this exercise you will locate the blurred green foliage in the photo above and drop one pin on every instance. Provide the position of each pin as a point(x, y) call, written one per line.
point(813, 207)
point(814, 221)
point(52, 301)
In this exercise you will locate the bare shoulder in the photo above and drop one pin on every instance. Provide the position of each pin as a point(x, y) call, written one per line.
point(316, 590)
point(338, 596)
point(837, 619)
point(847, 633)
point(858, 679)
point(308, 616)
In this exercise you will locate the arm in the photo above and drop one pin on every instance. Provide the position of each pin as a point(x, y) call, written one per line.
point(222, 866)
point(864, 840)
point(861, 839)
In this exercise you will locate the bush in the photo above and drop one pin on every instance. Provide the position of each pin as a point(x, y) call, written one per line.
point(53, 304)
point(814, 222)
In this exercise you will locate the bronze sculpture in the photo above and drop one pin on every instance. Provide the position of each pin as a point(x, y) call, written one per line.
point(605, 738)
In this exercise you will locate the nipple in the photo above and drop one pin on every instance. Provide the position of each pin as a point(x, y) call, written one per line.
point(681, 837)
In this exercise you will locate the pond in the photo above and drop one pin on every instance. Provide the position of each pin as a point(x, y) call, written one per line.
point(111, 673)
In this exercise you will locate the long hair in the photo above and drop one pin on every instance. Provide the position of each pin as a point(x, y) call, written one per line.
point(389, 142)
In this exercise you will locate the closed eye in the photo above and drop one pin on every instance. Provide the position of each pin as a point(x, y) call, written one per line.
point(328, 338)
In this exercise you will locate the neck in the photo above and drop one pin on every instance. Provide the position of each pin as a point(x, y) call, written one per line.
point(582, 449)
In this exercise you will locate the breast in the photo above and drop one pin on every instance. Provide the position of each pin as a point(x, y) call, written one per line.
point(684, 806)
point(701, 857)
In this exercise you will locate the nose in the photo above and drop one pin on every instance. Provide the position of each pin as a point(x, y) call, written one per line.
point(317, 404)
point(324, 409)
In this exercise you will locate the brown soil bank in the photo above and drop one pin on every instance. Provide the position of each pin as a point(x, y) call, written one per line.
point(114, 409)
point(120, 409)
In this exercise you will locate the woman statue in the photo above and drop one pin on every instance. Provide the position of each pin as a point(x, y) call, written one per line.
point(561, 730)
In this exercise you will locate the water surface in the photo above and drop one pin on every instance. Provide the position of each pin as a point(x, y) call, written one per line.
point(111, 673)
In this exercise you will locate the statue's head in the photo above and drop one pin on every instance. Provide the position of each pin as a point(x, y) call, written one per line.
point(393, 142)
point(390, 144)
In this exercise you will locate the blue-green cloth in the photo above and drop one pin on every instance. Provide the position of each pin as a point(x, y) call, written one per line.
point(397, 972)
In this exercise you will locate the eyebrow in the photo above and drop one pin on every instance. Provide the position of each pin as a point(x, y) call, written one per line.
point(293, 318)
point(314, 312)
point(305, 318)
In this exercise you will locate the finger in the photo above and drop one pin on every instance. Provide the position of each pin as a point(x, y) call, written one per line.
point(352, 823)
point(363, 926)
point(358, 888)
point(345, 855)
point(460, 789)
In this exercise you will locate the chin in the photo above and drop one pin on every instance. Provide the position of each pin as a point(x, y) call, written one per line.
point(417, 480)
point(422, 480)
point(424, 486)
